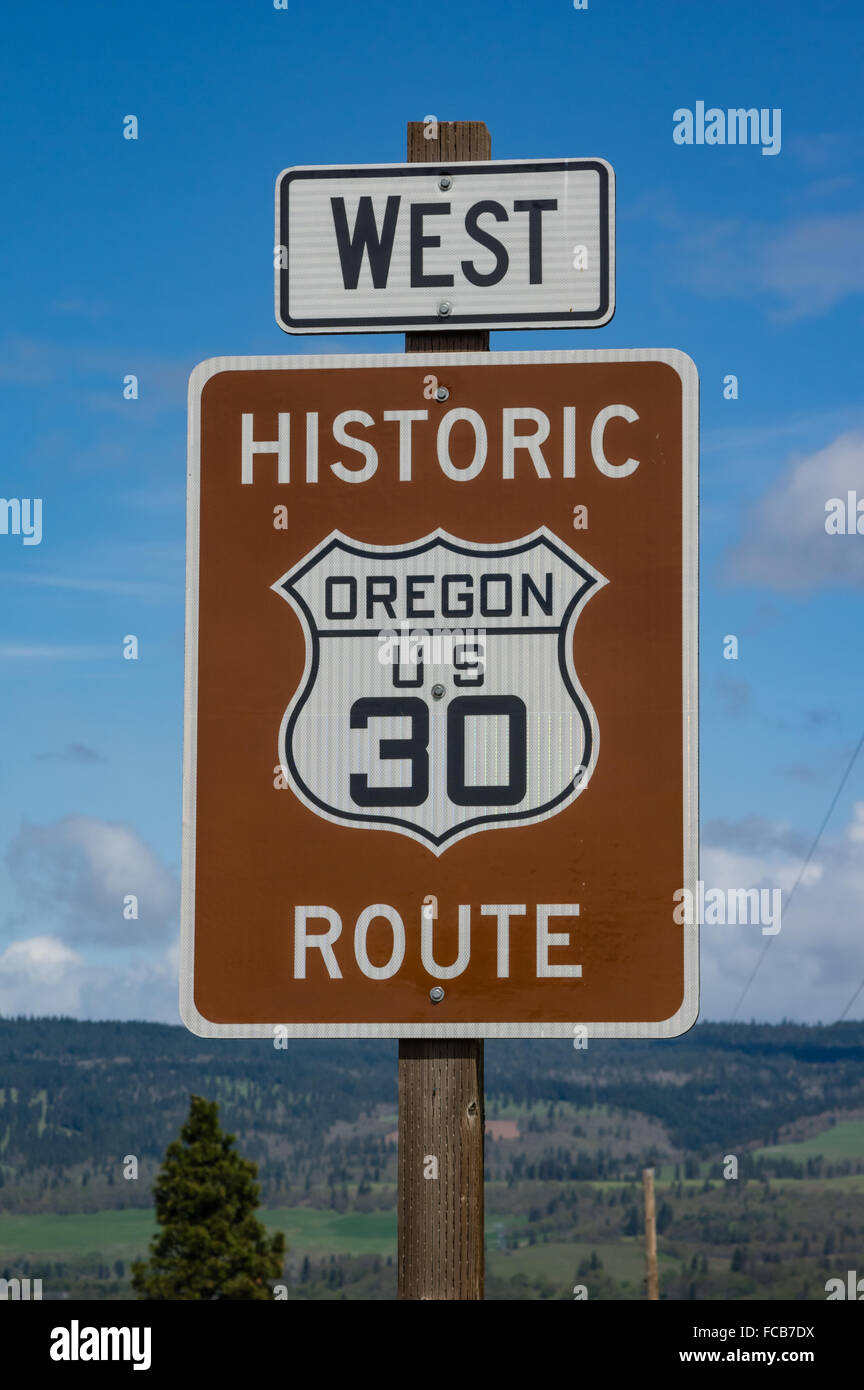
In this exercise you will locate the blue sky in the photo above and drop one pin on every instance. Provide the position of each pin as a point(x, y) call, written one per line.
point(147, 256)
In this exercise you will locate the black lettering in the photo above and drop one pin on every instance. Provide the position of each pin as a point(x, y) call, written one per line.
point(330, 597)
point(544, 600)
point(466, 662)
point(389, 582)
point(535, 208)
point(415, 597)
point(414, 680)
point(506, 581)
point(365, 238)
point(508, 793)
point(419, 241)
point(502, 260)
point(412, 749)
point(447, 609)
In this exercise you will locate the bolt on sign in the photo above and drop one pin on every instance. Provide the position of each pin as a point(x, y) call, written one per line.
point(494, 244)
point(440, 761)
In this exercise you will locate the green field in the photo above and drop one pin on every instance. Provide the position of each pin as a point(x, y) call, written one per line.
point(843, 1140)
point(109, 1235)
point(311, 1231)
point(558, 1261)
point(124, 1235)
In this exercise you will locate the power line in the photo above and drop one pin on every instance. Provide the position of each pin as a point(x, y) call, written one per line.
point(851, 1002)
point(803, 870)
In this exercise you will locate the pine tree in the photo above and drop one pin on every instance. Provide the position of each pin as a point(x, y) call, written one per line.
point(211, 1245)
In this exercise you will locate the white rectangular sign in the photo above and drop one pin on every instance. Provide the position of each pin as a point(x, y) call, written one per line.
point(400, 247)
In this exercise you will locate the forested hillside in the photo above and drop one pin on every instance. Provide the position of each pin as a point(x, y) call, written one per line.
point(87, 1110)
point(76, 1098)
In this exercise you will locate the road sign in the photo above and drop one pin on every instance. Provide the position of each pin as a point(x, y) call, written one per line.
point(495, 244)
point(440, 765)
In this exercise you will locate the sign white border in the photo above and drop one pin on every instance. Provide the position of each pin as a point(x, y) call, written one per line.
point(686, 1016)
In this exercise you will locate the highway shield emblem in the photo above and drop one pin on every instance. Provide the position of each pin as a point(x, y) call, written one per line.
point(440, 696)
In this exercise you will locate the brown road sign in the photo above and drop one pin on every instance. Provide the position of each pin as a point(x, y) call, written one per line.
point(440, 763)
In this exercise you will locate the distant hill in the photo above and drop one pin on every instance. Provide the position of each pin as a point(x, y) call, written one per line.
point(76, 1098)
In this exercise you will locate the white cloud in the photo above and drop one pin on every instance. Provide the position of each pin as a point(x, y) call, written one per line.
point(813, 964)
point(92, 374)
point(805, 265)
point(10, 652)
point(77, 873)
point(855, 829)
point(126, 588)
point(78, 753)
point(815, 263)
point(42, 976)
point(785, 545)
point(822, 149)
point(37, 971)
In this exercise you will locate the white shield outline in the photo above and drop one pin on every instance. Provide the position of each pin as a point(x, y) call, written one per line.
point(592, 581)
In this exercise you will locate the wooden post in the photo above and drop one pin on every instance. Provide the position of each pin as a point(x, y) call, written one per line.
point(441, 1202)
point(455, 141)
point(650, 1235)
point(441, 1112)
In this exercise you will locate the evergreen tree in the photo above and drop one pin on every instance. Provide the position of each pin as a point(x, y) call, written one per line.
point(632, 1225)
point(211, 1245)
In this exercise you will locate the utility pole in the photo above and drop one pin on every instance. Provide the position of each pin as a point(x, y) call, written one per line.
point(651, 1280)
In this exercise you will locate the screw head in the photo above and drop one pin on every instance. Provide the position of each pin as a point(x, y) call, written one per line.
point(445, 182)
point(438, 692)
point(436, 994)
point(444, 308)
point(442, 394)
